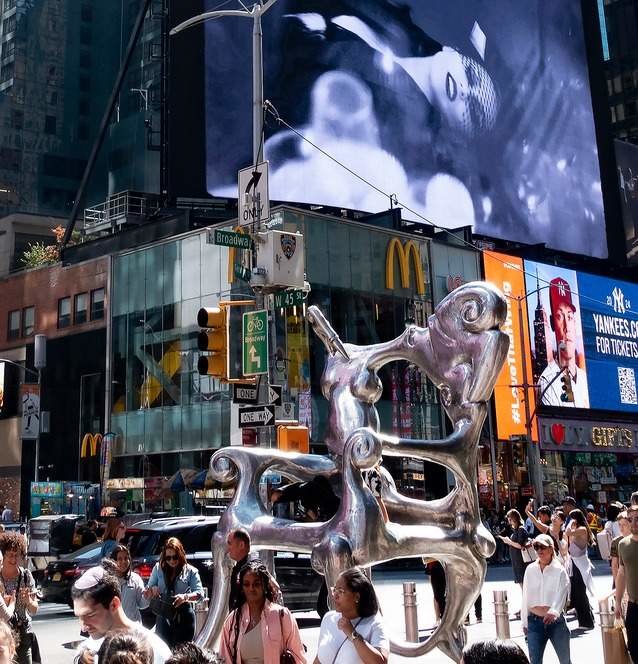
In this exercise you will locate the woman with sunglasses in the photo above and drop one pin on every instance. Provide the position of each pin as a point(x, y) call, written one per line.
point(579, 567)
point(172, 586)
point(113, 534)
point(354, 632)
point(131, 584)
point(545, 592)
point(259, 631)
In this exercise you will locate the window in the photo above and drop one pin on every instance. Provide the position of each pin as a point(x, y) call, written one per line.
point(9, 48)
point(85, 59)
point(85, 36)
point(86, 13)
point(84, 107)
point(6, 72)
point(52, 97)
point(9, 4)
point(28, 321)
point(97, 304)
point(84, 84)
point(81, 308)
point(50, 125)
point(64, 312)
point(14, 325)
point(83, 131)
point(17, 119)
point(9, 25)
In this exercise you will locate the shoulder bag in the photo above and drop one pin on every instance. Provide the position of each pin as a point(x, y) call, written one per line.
point(286, 656)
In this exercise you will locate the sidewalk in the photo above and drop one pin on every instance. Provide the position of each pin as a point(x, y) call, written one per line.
point(585, 646)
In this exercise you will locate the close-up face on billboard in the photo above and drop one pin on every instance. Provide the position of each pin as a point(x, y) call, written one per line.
point(470, 113)
point(582, 326)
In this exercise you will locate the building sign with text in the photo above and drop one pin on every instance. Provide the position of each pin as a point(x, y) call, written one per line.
point(586, 327)
point(560, 435)
point(506, 273)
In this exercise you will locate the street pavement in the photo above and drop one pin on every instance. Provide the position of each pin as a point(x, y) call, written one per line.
point(57, 628)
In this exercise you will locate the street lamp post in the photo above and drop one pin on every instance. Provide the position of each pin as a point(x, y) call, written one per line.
point(255, 13)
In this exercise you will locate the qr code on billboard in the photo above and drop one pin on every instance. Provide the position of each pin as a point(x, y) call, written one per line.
point(627, 385)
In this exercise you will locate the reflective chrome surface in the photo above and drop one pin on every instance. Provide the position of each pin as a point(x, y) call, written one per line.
point(462, 351)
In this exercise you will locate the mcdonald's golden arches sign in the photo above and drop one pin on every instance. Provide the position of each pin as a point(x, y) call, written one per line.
point(404, 252)
point(90, 444)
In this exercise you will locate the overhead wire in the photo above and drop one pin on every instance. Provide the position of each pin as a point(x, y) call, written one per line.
point(270, 108)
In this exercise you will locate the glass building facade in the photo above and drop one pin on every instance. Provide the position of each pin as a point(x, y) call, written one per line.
point(166, 416)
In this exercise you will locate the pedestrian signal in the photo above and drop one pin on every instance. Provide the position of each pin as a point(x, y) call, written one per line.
point(567, 395)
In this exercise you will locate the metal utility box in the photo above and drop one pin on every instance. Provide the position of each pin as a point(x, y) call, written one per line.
point(293, 438)
point(281, 256)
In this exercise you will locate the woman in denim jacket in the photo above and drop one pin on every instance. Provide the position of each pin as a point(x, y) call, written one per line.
point(172, 586)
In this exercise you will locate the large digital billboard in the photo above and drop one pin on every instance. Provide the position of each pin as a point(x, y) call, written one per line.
point(468, 112)
point(627, 169)
point(584, 328)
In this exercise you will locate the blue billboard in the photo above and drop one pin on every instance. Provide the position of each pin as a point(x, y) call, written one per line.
point(610, 332)
point(584, 338)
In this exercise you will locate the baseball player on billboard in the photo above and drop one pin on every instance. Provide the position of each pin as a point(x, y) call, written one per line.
point(565, 358)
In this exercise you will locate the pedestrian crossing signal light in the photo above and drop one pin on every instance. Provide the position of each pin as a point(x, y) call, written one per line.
point(214, 341)
point(567, 395)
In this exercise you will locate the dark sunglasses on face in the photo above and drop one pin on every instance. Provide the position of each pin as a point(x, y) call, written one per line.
point(540, 547)
point(171, 557)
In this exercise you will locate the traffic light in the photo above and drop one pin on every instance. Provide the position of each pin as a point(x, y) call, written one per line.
point(518, 455)
point(214, 340)
point(567, 395)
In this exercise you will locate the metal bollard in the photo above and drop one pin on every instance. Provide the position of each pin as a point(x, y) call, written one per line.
point(501, 614)
point(410, 608)
point(607, 619)
point(201, 611)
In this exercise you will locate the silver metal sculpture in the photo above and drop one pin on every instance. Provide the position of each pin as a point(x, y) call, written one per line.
point(462, 351)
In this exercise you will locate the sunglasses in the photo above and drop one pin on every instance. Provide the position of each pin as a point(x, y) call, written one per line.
point(171, 557)
point(338, 591)
point(540, 547)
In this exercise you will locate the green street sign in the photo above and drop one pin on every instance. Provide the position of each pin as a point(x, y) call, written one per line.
point(290, 298)
point(242, 272)
point(232, 239)
point(255, 343)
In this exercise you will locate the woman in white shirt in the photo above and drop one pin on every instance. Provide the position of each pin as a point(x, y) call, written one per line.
point(545, 593)
point(131, 584)
point(354, 632)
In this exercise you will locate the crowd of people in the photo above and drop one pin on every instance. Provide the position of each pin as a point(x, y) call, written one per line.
point(549, 551)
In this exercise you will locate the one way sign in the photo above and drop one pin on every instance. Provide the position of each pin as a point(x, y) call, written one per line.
point(256, 416)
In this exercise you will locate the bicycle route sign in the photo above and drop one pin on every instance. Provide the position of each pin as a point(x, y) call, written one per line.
point(255, 343)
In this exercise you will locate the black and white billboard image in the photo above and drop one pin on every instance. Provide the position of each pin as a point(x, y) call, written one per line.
point(469, 112)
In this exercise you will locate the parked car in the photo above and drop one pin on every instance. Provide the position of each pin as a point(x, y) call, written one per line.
point(302, 587)
point(300, 584)
point(61, 574)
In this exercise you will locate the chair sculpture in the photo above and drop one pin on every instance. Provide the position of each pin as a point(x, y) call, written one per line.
point(462, 351)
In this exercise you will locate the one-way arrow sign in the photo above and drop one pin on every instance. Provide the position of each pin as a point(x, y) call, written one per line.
point(245, 393)
point(274, 395)
point(256, 416)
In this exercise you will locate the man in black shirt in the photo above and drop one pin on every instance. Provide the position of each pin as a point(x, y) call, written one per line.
point(238, 546)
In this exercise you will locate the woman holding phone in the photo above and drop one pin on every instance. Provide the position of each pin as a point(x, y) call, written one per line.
point(517, 542)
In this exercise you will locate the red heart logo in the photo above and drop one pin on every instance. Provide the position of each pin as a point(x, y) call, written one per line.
point(558, 433)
